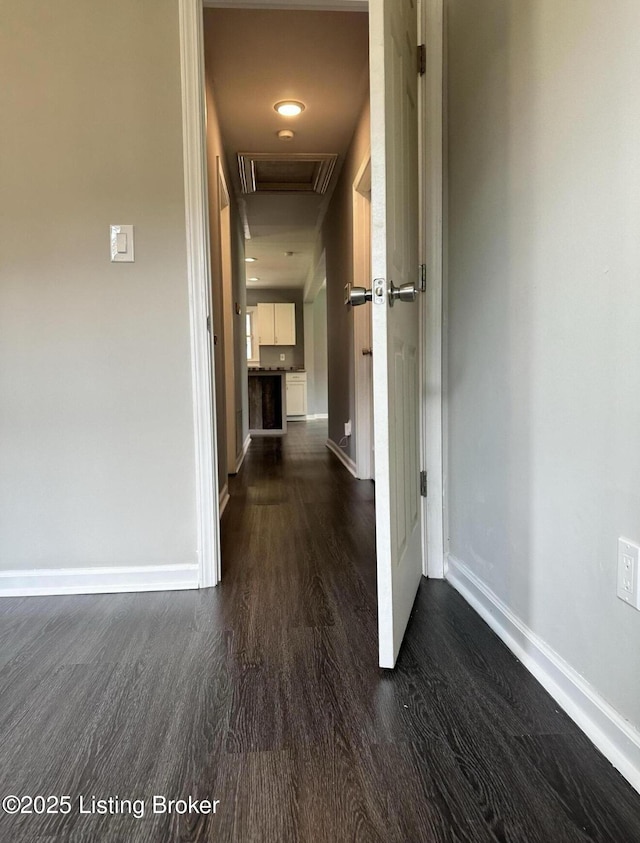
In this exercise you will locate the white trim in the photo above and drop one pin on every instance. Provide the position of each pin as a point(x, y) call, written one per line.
point(431, 141)
point(98, 580)
point(243, 453)
point(224, 498)
point(610, 732)
point(199, 275)
point(346, 461)
point(316, 416)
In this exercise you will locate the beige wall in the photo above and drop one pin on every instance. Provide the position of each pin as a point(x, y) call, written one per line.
point(337, 235)
point(96, 428)
point(222, 321)
point(544, 319)
point(215, 153)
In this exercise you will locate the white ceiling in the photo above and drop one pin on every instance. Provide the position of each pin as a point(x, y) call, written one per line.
point(256, 58)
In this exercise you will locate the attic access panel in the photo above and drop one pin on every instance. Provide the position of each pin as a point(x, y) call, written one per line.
point(272, 172)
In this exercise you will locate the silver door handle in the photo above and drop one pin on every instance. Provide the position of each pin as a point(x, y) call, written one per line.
point(358, 295)
point(405, 292)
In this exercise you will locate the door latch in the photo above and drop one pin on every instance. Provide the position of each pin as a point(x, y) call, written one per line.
point(358, 295)
point(405, 292)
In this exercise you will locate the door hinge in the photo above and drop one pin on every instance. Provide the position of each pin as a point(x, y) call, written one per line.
point(422, 278)
point(423, 484)
point(209, 324)
point(422, 59)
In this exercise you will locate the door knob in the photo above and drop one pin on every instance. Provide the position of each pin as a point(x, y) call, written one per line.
point(358, 295)
point(405, 292)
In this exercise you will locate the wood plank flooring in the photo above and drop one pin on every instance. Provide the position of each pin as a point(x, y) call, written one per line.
point(265, 695)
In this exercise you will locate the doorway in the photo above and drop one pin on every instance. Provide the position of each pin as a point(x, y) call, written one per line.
point(193, 83)
point(288, 205)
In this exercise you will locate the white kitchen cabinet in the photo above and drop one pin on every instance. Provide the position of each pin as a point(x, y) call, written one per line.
point(285, 324)
point(266, 324)
point(276, 323)
point(296, 394)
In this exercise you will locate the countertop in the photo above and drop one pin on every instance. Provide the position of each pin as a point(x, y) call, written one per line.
point(284, 369)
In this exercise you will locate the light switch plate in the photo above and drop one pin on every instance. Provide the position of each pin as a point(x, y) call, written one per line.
point(121, 241)
point(628, 564)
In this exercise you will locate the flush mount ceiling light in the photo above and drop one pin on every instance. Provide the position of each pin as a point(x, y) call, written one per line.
point(250, 260)
point(289, 108)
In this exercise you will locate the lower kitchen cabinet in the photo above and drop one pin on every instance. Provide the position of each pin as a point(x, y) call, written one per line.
point(296, 394)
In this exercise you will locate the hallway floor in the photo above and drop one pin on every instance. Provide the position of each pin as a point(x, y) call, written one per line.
point(264, 694)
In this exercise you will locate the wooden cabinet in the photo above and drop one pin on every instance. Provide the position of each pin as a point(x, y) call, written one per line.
point(296, 394)
point(267, 404)
point(276, 323)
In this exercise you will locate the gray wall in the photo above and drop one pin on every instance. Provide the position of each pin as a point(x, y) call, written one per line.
point(96, 426)
point(544, 319)
point(270, 354)
point(337, 235)
point(240, 293)
point(315, 353)
point(320, 368)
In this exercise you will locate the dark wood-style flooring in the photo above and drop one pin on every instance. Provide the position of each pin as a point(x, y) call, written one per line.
point(265, 695)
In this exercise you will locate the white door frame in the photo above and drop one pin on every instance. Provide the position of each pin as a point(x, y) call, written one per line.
point(199, 271)
point(431, 29)
point(199, 282)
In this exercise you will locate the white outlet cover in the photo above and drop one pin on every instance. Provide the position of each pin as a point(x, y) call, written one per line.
point(628, 563)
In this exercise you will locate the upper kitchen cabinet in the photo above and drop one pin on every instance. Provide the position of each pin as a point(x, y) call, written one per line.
point(266, 324)
point(276, 323)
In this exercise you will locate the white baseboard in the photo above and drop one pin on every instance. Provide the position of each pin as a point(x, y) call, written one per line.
point(346, 461)
point(243, 454)
point(98, 580)
point(614, 736)
point(224, 498)
point(314, 416)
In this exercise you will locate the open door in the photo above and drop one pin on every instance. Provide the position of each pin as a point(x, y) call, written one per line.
point(395, 269)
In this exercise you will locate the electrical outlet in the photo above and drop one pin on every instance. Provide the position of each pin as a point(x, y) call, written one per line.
point(347, 428)
point(628, 561)
point(283, 358)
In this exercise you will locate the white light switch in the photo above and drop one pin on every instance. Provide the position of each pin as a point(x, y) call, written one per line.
point(122, 243)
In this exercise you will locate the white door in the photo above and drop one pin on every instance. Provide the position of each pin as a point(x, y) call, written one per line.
point(395, 260)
